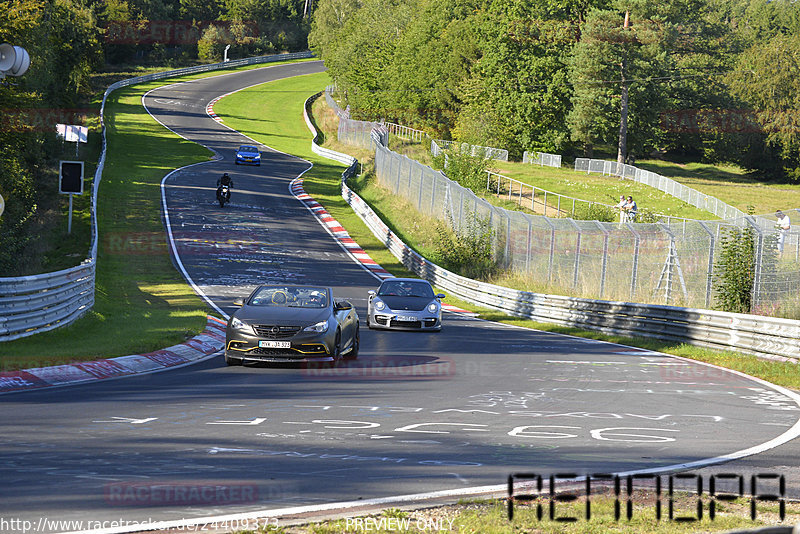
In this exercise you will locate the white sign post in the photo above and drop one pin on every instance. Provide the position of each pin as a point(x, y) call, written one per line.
point(72, 132)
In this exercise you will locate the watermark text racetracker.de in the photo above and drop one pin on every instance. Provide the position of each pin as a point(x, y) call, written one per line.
point(14, 525)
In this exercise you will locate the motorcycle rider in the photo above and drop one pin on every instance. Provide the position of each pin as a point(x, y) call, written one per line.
point(224, 180)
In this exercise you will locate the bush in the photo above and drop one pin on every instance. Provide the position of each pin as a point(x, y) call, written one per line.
point(734, 272)
point(468, 171)
point(595, 212)
point(470, 251)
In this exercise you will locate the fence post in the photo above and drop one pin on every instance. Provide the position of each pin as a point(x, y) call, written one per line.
point(421, 179)
point(710, 274)
point(604, 266)
point(552, 249)
point(577, 254)
point(758, 260)
point(635, 267)
point(528, 247)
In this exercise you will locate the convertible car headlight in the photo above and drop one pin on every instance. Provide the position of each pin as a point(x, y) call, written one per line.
point(321, 326)
point(433, 307)
point(379, 305)
point(238, 324)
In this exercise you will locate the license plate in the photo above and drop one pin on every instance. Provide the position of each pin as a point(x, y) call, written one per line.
point(405, 318)
point(275, 344)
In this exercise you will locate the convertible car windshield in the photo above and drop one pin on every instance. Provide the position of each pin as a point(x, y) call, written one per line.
point(290, 297)
point(405, 289)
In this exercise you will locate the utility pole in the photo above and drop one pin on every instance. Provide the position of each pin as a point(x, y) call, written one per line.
point(623, 121)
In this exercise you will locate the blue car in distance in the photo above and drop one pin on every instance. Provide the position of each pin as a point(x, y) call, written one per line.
point(248, 155)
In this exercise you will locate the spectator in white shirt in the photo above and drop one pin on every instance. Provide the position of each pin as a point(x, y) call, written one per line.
point(783, 225)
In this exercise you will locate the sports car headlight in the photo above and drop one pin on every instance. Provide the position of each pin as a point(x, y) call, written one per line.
point(321, 326)
point(257, 156)
point(379, 305)
point(238, 324)
point(433, 307)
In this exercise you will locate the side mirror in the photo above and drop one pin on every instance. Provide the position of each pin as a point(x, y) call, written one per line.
point(238, 301)
point(371, 292)
point(440, 296)
point(342, 306)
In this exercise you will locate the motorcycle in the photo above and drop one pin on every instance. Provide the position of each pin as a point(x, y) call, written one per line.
point(223, 195)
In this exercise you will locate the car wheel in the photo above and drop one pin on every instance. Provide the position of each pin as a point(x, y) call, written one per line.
point(337, 349)
point(353, 354)
point(232, 361)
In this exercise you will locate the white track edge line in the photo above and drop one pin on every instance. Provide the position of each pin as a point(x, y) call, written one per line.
point(790, 434)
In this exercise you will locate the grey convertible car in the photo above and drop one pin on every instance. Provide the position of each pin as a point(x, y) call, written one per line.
point(405, 304)
point(279, 323)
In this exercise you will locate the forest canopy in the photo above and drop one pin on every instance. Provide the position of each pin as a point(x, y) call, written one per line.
point(710, 80)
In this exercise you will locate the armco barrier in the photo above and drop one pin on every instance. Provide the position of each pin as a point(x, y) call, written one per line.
point(32, 304)
point(763, 336)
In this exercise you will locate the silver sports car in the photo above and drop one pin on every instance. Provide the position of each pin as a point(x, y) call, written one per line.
point(405, 304)
point(291, 324)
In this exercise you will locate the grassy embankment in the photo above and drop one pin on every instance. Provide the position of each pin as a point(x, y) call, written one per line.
point(142, 303)
point(275, 112)
point(490, 517)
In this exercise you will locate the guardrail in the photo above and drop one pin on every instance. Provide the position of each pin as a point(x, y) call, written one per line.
point(762, 336)
point(38, 303)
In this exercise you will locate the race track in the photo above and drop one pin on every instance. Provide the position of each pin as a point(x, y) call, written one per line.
point(415, 413)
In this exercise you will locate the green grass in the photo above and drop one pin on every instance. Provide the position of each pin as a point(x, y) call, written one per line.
point(491, 517)
point(598, 188)
point(729, 184)
point(142, 303)
point(321, 182)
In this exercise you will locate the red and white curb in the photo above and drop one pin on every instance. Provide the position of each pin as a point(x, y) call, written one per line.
point(348, 243)
point(200, 347)
point(210, 108)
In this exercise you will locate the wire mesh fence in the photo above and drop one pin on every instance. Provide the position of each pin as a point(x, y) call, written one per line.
point(662, 183)
point(487, 152)
point(668, 262)
point(542, 158)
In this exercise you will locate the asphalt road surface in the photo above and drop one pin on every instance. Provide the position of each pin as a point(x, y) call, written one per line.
point(417, 412)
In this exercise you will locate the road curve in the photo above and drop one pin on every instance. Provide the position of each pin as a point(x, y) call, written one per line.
point(416, 413)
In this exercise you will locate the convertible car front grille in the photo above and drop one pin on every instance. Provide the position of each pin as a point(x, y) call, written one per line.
point(276, 332)
point(283, 353)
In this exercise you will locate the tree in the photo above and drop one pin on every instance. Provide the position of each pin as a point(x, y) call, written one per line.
point(767, 76)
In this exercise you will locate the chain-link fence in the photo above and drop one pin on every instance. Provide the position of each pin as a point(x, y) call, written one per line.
point(486, 152)
point(670, 262)
point(662, 183)
point(542, 158)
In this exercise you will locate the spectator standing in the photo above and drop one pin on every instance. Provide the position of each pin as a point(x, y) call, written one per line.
point(631, 209)
point(621, 207)
point(783, 225)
